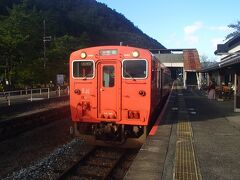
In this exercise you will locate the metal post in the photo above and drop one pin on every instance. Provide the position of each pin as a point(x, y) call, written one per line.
point(8, 99)
point(44, 45)
point(59, 91)
point(235, 92)
point(208, 79)
point(45, 38)
point(40, 91)
point(48, 94)
point(68, 91)
point(31, 96)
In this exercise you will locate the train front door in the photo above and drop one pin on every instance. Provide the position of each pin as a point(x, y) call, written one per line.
point(109, 87)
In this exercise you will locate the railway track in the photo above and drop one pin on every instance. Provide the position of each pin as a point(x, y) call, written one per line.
point(77, 160)
point(98, 163)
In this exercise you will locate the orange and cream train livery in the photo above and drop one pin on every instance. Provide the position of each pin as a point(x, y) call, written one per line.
point(115, 91)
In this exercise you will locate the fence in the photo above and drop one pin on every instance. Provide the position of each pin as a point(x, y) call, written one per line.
point(11, 97)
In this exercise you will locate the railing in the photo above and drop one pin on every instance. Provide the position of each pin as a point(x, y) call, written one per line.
point(10, 97)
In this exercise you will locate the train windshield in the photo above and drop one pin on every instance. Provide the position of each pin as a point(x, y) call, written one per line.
point(134, 69)
point(83, 69)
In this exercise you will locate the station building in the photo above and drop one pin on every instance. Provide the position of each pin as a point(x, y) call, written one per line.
point(226, 73)
point(183, 63)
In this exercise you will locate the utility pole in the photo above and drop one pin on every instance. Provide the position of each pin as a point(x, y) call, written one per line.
point(45, 38)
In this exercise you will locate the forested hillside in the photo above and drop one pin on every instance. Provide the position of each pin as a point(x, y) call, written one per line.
point(72, 24)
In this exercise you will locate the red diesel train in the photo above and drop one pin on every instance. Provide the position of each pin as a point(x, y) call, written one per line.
point(114, 92)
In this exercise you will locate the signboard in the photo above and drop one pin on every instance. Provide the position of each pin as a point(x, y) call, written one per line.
point(60, 79)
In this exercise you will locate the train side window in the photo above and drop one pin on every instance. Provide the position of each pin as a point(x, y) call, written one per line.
point(134, 69)
point(108, 76)
point(83, 69)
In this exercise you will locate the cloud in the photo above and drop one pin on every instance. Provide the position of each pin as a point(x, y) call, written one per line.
point(189, 33)
point(199, 35)
point(191, 29)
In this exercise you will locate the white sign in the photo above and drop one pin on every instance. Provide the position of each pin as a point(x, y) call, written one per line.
point(60, 79)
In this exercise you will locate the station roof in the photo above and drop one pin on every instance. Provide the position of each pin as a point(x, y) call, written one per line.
point(230, 60)
point(170, 58)
point(230, 44)
point(212, 67)
point(186, 58)
point(191, 60)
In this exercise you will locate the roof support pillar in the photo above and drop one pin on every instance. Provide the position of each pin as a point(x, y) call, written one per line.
point(236, 92)
point(184, 79)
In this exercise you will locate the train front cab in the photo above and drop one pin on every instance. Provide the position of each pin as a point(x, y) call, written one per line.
point(111, 96)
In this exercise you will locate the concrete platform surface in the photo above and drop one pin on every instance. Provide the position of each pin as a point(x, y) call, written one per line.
point(196, 139)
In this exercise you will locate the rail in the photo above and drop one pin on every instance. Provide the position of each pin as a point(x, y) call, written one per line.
point(11, 97)
point(97, 164)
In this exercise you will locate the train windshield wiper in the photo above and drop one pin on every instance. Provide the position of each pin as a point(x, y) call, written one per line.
point(129, 75)
point(84, 77)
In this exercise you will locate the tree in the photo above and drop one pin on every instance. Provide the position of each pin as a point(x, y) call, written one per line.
point(58, 54)
point(206, 61)
point(19, 37)
point(236, 32)
point(204, 58)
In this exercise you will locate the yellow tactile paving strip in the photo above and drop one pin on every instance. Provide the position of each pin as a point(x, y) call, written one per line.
point(186, 164)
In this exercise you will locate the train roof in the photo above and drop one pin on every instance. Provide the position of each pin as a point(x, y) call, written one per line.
point(112, 47)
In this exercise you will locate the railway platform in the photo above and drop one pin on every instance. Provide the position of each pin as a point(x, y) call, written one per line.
point(196, 138)
point(27, 108)
point(25, 116)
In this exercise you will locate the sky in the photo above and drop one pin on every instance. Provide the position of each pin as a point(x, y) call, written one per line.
point(200, 24)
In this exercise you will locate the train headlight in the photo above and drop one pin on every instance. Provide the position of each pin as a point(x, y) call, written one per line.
point(83, 55)
point(135, 54)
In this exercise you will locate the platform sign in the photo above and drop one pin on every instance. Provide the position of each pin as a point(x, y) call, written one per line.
point(60, 79)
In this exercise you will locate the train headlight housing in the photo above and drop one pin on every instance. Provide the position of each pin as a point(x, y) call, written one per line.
point(135, 54)
point(77, 91)
point(142, 93)
point(133, 115)
point(83, 55)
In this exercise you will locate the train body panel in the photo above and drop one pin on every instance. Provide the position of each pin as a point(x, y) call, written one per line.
point(114, 90)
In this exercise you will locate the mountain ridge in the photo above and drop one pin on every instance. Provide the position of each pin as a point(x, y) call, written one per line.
point(32, 54)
